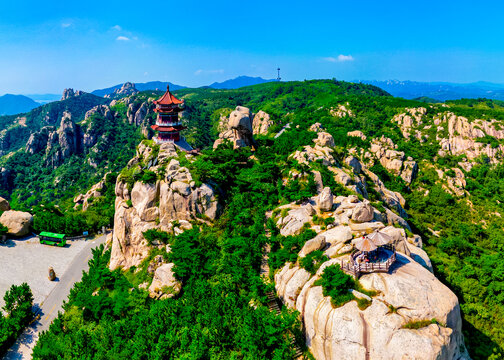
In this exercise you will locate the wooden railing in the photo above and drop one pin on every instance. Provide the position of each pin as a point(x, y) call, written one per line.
point(354, 268)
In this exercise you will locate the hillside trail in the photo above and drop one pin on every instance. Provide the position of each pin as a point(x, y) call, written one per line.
point(272, 299)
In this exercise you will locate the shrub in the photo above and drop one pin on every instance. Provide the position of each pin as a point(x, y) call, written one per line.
point(336, 284)
point(418, 324)
point(157, 236)
point(3, 230)
point(149, 177)
point(313, 260)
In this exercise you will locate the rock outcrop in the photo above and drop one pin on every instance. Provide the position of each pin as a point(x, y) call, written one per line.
point(357, 133)
point(38, 140)
point(325, 200)
point(69, 93)
point(96, 191)
point(377, 332)
point(463, 137)
point(324, 139)
point(341, 111)
point(64, 142)
point(164, 285)
point(126, 89)
point(171, 196)
point(393, 160)
point(239, 130)
point(58, 144)
point(363, 212)
point(313, 153)
point(4, 204)
point(18, 222)
point(410, 120)
point(261, 123)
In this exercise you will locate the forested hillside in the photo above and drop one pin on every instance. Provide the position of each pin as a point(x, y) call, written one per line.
point(453, 194)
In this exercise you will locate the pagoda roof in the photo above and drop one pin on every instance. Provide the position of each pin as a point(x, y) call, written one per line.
point(168, 98)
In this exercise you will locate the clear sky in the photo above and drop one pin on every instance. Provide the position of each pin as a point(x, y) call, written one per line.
point(46, 46)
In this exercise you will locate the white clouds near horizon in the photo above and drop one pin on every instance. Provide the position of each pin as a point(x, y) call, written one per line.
point(340, 58)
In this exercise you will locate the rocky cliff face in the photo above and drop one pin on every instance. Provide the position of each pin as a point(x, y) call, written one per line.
point(464, 137)
point(69, 138)
point(172, 197)
point(58, 144)
point(377, 332)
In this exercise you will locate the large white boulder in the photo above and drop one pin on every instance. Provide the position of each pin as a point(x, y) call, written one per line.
point(18, 222)
point(261, 123)
point(314, 244)
point(164, 282)
point(325, 200)
point(363, 212)
point(324, 139)
point(336, 235)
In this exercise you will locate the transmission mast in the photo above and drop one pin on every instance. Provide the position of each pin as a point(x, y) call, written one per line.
point(278, 76)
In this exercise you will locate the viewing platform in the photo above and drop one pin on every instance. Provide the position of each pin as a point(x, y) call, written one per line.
point(370, 257)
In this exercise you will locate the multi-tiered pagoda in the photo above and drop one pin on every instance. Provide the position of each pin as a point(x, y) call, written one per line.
point(168, 125)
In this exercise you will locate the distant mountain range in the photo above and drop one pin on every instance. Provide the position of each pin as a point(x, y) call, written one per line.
point(440, 91)
point(424, 91)
point(239, 82)
point(15, 104)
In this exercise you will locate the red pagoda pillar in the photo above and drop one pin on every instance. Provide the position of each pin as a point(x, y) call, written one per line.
point(168, 125)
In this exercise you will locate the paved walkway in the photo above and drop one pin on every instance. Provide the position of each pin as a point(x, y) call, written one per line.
point(48, 309)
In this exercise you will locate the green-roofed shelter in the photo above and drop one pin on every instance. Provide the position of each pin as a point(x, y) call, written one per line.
point(50, 238)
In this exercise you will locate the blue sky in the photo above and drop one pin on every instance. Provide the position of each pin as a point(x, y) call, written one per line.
point(47, 46)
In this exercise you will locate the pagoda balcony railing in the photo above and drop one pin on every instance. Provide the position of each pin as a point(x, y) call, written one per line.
point(164, 141)
point(168, 123)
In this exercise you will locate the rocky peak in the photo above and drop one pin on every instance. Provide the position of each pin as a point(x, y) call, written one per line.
point(58, 144)
point(68, 93)
point(395, 161)
point(261, 123)
point(346, 331)
point(171, 196)
point(38, 140)
point(412, 118)
point(239, 130)
point(126, 89)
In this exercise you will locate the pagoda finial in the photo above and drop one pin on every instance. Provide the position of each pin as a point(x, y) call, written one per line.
point(167, 87)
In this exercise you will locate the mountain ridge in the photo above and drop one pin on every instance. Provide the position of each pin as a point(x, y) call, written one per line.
point(440, 91)
point(239, 82)
point(14, 104)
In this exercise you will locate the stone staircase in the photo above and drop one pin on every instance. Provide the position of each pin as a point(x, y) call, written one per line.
point(273, 306)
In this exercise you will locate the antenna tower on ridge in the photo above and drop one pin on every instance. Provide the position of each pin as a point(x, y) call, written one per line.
point(278, 77)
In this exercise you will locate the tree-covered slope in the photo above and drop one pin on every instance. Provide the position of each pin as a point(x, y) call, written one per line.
point(15, 130)
point(455, 203)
